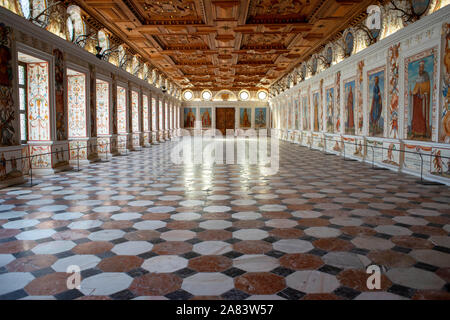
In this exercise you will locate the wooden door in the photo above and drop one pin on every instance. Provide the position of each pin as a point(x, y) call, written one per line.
point(225, 119)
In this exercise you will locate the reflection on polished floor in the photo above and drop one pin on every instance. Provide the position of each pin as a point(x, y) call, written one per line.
point(141, 227)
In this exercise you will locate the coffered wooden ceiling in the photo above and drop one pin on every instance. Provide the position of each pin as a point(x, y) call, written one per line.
point(232, 44)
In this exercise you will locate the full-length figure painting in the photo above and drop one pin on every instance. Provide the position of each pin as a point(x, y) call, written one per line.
point(316, 111)
point(260, 117)
point(349, 103)
point(205, 115)
point(305, 113)
point(245, 118)
point(189, 117)
point(420, 83)
point(329, 98)
point(376, 90)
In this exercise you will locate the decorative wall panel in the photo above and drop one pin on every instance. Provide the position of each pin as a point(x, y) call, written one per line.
point(76, 85)
point(38, 102)
point(102, 107)
point(121, 110)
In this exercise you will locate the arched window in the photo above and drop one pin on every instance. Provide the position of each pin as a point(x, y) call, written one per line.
point(103, 40)
point(25, 8)
point(121, 56)
point(79, 27)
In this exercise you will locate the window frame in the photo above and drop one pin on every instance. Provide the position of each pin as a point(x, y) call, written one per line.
point(23, 86)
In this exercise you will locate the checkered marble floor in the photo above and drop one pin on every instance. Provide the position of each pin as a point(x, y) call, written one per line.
point(140, 227)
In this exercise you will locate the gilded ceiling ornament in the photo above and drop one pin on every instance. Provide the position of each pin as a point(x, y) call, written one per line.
point(169, 8)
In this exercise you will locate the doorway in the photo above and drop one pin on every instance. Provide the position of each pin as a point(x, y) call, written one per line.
point(225, 119)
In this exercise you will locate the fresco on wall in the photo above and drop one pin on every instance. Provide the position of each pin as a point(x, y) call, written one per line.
point(76, 100)
point(102, 107)
point(260, 117)
point(337, 112)
point(7, 110)
point(153, 108)
point(316, 118)
point(419, 94)
point(305, 113)
point(329, 98)
point(121, 110)
point(321, 103)
point(349, 104)
point(206, 116)
point(359, 101)
point(135, 111)
point(145, 113)
point(444, 120)
point(92, 102)
point(296, 111)
point(289, 114)
point(114, 104)
point(440, 164)
point(376, 98)
point(246, 117)
point(59, 95)
point(38, 102)
point(189, 117)
point(392, 122)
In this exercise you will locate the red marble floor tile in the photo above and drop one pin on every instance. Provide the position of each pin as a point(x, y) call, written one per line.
point(120, 263)
point(206, 298)
point(216, 215)
point(17, 246)
point(210, 263)
point(93, 247)
point(39, 215)
point(432, 231)
point(78, 208)
point(48, 285)
point(31, 263)
point(210, 235)
point(117, 225)
point(182, 225)
point(444, 273)
point(301, 261)
point(155, 284)
point(52, 224)
point(333, 244)
point(164, 203)
point(8, 233)
point(172, 247)
point(71, 235)
point(320, 296)
point(142, 235)
point(155, 216)
point(286, 233)
point(252, 247)
point(393, 213)
point(357, 279)
point(94, 298)
point(260, 283)
point(313, 222)
point(248, 224)
point(377, 220)
point(391, 259)
point(244, 208)
point(438, 219)
point(103, 216)
point(431, 295)
point(187, 209)
point(358, 231)
point(355, 205)
point(276, 215)
point(296, 207)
